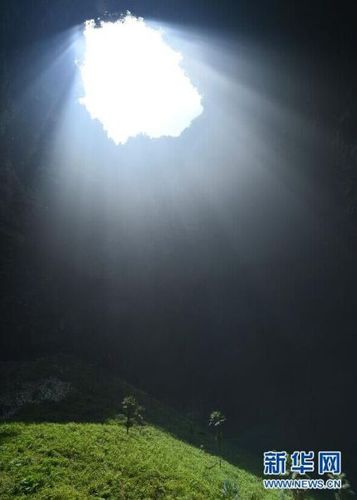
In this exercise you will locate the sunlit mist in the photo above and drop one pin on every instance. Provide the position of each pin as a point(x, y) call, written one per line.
point(134, 83)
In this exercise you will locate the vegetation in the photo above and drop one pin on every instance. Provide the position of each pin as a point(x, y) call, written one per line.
point(346, 490)
point(216, 420)
point(78, 448)
point(230, 490)
point(132, 412)
point(77, 461)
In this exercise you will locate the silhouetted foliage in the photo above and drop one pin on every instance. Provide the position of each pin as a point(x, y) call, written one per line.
point(216, 420)
point(132, 411)
point(346, 488)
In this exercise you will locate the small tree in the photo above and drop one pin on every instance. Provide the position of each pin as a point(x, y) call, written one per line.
point(216, 420)
point(132, 411)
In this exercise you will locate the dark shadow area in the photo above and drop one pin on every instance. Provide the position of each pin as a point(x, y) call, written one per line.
point(7, 435)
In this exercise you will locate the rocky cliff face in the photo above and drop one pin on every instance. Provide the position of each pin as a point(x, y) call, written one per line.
point(48, 389)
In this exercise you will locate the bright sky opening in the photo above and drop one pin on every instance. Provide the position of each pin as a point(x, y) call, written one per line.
point(134, 83)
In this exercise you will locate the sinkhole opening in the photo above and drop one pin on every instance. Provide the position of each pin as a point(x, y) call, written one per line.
point(133, 81)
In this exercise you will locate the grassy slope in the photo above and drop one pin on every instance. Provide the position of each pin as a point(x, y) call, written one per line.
point(77, 449)
point(79, 461)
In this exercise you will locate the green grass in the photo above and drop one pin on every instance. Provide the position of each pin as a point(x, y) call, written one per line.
point(60, 461)
point(78, 448)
